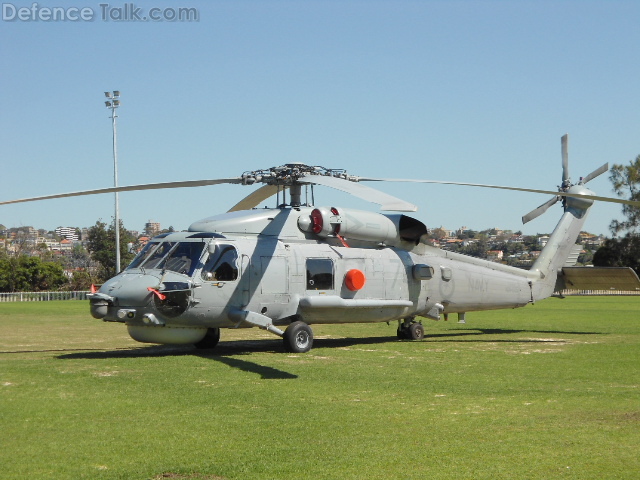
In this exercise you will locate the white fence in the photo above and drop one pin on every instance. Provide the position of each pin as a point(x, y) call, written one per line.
point(598, 292)
point(82, 295)
point(42, 296)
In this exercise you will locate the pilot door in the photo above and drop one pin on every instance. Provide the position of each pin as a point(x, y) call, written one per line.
point(225, 279)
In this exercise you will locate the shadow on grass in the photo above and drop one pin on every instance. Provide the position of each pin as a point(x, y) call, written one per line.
point(227, 352)
point(449, 337)
point(442, 337)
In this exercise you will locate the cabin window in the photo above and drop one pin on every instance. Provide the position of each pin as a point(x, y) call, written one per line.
point(422, 271)
point(446, 272)
point(221, 265)
point(319, 274)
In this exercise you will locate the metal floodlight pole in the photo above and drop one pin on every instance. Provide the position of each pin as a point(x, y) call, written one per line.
point(113, 103)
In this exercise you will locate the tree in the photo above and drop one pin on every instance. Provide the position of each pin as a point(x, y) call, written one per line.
point(24, 273)
point(625, 251)
point(467, 234)
point(101, 246)
point(437, 233)
point(81, 280)
point(626, 184)
point(619, 252)
point(585, 258)
point(479, 248)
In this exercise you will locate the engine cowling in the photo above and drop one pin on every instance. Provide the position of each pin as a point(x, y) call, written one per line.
point(328, 222)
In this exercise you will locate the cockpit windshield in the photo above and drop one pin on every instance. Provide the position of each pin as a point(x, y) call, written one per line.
point(143, 254)
point(179, 257)
point(184, 257)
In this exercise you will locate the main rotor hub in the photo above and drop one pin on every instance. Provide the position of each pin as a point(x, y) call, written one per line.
point(290, 174)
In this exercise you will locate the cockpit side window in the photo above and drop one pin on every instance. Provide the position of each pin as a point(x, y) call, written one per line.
point(221, 265)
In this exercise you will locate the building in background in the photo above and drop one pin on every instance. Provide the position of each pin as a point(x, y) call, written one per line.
point(152, 228)
point(69, 233)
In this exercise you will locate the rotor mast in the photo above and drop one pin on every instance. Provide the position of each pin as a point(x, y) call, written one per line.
point(295, 194)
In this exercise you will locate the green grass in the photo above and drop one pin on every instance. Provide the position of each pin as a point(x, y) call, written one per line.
point(549, 391)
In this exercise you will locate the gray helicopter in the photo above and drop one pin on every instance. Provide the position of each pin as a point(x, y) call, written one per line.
point(286, 268)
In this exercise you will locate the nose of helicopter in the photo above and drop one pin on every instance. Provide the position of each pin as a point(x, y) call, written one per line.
point(130, 290)
point(125, 290)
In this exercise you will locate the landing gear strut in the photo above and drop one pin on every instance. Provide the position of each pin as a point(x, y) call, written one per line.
point(409, 329)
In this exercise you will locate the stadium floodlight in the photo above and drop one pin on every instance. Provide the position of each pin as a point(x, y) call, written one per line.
point(113, 105)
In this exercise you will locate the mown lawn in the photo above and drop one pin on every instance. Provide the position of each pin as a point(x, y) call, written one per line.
point(548, 391)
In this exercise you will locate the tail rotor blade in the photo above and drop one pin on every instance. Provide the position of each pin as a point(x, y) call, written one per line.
point(595, 173)
point(565, 157)
point(540, 210)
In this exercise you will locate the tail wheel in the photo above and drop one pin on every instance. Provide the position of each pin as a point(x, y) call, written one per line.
point(298, 337)
point(210, 340)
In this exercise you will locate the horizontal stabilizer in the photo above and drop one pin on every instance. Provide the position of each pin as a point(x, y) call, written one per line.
point(600, 278)
point(572, 259)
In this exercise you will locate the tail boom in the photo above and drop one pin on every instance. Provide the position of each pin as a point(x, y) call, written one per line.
point(560, 245)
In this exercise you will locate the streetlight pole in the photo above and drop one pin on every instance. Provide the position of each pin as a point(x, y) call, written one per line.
point(113, 103)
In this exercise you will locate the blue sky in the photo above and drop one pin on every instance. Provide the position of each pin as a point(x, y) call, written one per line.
point(472, 91)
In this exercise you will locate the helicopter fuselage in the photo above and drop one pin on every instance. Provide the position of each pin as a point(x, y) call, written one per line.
point(298, 265)
point(232, 273)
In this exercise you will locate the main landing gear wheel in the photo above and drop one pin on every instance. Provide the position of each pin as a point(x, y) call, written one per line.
point(210, 340)
point(298, 337)
point(410, 331)
point(416, 331)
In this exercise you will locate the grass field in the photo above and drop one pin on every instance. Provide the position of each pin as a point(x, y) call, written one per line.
point(548, 391)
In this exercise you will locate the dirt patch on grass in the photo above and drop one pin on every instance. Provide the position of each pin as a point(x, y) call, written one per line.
point(191, 476)
point(630, 417)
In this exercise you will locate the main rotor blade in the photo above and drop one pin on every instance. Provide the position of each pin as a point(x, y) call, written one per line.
point(564, 142)
point(386, 201)
point(540, 210)
point(595, 173)
point(130, 188)
point(255, 198)
point(500, 187)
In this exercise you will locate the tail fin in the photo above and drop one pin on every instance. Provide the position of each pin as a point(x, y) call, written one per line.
point(560, 245)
